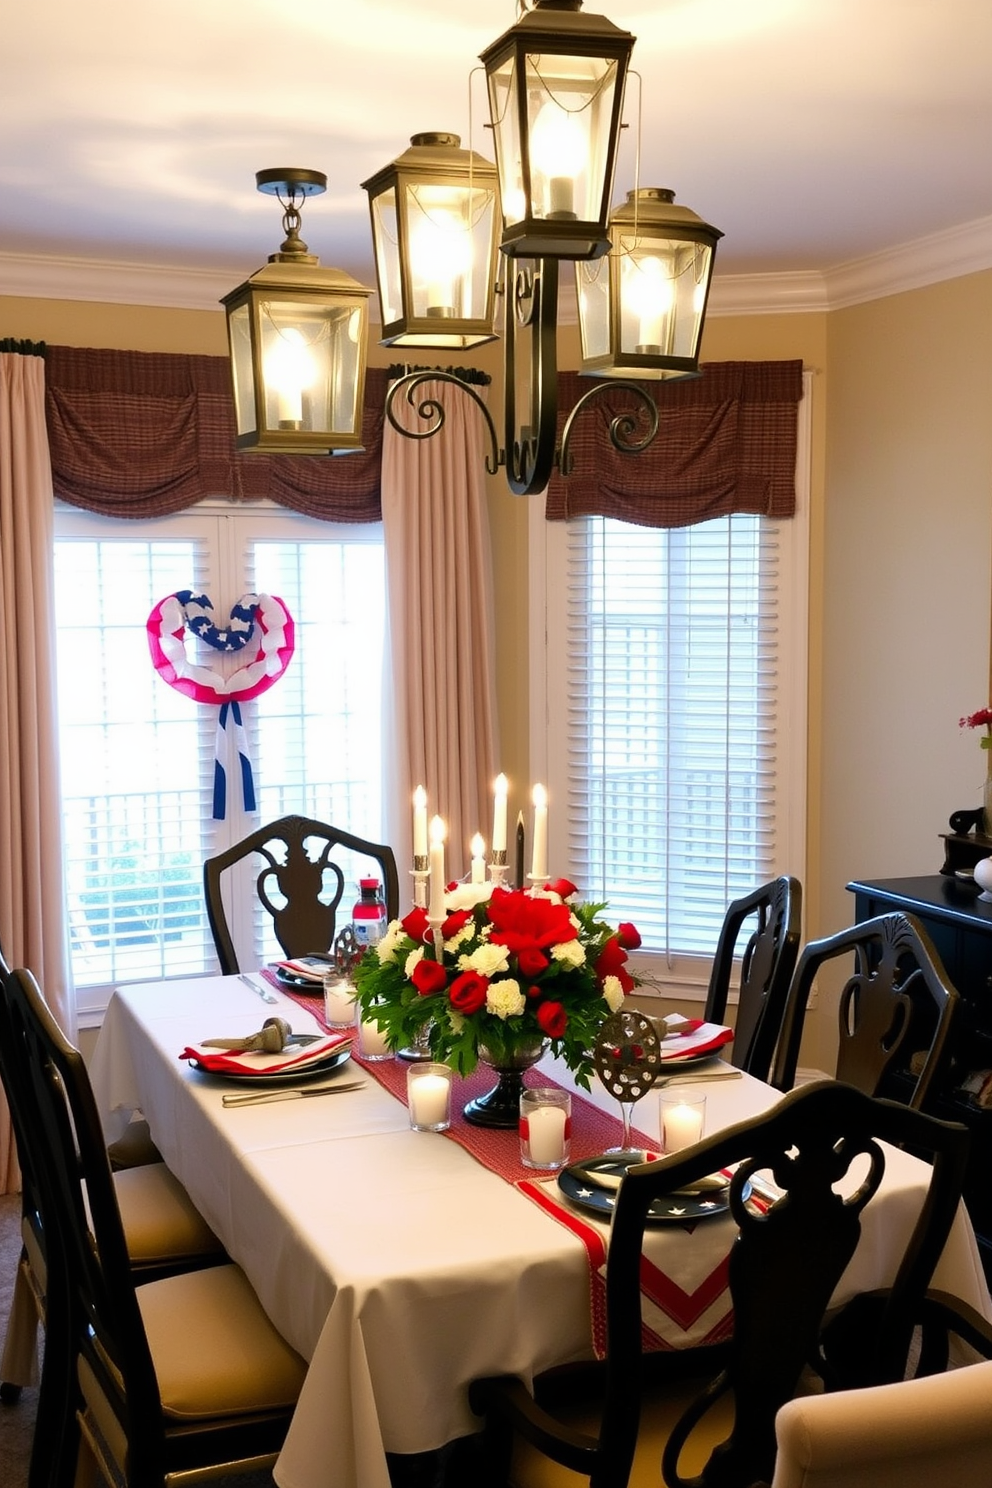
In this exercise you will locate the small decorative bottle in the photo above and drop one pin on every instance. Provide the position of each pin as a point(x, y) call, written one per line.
point(368, 917)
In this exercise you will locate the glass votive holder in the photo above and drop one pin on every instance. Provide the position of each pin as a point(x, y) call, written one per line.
point(339, 1002)
point(372, 1043)
point(681, 1120)
point(545, 1127)
point(428, 1095)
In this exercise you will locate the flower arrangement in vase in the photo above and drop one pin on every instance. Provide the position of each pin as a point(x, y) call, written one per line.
point(517, 970)
point(983, 719)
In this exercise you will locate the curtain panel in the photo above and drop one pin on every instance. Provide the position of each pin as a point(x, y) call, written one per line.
point(31, 914)
point(145, 434)
point(726, 443)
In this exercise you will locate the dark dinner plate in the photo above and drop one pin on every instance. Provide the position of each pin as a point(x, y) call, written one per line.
point(291, 1076)
point(581, 1185)
point(320, 964)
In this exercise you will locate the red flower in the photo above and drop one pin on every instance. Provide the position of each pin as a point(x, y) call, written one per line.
point(535, 991)
point(563, 887)
point(416, 925)
point(457, 920)
point(628, 935)
point(467, 992)
point(521, 923)
point(428, 977)
point(981, 719)
point(611, 959)
point(532, 961)
point(553, 1018)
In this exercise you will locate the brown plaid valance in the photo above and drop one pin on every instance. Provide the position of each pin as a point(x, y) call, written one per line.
point(726, 442)
point(143, 434)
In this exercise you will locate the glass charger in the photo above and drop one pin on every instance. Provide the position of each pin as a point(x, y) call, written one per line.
point(291, 1076)
point(592, 1185)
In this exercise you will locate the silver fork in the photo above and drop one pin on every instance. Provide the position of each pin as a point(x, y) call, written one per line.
point(262, 992)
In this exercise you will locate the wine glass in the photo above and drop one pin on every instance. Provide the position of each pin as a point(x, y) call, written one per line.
point(627, 1056)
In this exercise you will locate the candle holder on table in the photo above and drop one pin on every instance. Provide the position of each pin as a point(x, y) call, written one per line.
point(421, 873)
point(498, 867)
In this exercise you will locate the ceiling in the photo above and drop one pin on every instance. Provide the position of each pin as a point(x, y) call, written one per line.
point(814, 133)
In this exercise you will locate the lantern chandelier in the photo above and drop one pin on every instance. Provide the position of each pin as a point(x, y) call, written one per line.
point(555, 83)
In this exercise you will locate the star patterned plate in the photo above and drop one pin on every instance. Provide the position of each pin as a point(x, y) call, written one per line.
point(579, 1187)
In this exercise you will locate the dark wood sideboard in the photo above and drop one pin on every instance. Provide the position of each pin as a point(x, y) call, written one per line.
point(960, 925)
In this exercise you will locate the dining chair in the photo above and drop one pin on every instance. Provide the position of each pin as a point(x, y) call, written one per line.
point(766, 968)
point(300, 884)
point(164, 1233)
point(174, 1380)
point(818, 1155)
point(912, 1433)
point(895, 1013)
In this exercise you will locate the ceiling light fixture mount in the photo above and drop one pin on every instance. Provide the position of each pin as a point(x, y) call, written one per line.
point(297, 335)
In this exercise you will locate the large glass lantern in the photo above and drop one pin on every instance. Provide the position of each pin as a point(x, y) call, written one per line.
point(556, 82)
point(641, 310)
point(434, 232)
point(297, 335)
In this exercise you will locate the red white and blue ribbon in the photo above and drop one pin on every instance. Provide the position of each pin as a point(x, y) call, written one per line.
point(230, 714)
point(260, 626)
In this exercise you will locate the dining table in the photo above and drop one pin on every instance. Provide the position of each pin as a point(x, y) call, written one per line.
point(403, 1264)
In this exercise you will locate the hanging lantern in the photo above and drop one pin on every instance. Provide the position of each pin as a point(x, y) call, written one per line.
point(556, 82)
point(434, 232)
point(297, 335)
point(641, 310)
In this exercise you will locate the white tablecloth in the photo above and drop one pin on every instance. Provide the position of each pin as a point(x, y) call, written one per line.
point(391, 1260)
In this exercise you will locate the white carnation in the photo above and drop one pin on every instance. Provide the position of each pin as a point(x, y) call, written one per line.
point(504, 999)
point(464, 934)
point(487, 960)
point(412, 962)
point(569, 953)
point(613, 993)
point(386, 949)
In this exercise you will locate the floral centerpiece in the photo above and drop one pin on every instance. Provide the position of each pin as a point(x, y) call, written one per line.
point(983, 719)
point(517, 968)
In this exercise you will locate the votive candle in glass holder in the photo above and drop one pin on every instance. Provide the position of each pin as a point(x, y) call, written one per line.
point(339, 1001)
point(545, 1127)
point(428, 1094)
point(681, 1120)
point(372, 1043)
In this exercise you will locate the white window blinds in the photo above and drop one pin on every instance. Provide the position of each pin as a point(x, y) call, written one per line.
point(672, 659)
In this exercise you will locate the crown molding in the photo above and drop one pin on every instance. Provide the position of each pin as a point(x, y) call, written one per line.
point(928, 260)
point(942, 255)
point(797, 293)
point(168, 286)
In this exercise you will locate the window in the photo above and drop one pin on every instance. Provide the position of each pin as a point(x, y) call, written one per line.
point(668, 714)
point(137, 757)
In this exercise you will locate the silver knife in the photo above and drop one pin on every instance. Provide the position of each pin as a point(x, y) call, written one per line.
point(262, 1097)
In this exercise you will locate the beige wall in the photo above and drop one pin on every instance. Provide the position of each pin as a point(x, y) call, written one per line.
point(901, 546)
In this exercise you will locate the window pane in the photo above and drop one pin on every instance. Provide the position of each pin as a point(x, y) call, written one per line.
point(133, 768)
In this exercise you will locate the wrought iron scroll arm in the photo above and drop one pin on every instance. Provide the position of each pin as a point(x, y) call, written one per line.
point(622, 427)
point(530, 448)
point(432, 409)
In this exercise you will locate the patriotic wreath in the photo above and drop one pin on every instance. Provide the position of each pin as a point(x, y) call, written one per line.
point(260, 618)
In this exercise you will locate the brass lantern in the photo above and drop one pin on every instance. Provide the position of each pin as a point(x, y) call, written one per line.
point(641, 310)
point(556, 82)
point(297, 335)
point(434, 232)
